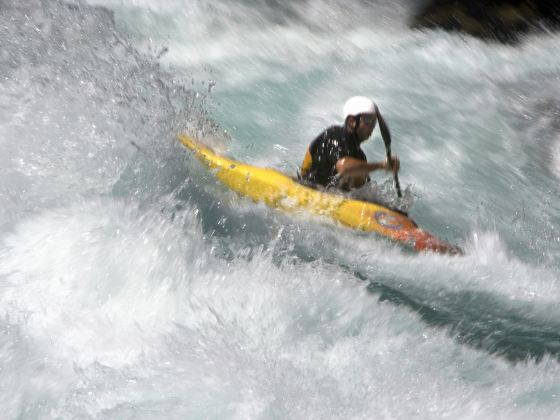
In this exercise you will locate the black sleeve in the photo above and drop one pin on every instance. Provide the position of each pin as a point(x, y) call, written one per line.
point(334, 146)
point(327, 148)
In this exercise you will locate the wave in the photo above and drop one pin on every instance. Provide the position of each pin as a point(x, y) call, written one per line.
point(132, 284)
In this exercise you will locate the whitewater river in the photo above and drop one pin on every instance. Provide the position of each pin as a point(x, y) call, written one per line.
point(134, 286)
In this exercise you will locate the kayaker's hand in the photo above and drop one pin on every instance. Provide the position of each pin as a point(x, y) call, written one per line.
point(394, 165)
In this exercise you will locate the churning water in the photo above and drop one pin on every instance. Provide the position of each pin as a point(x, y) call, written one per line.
point(133, 285)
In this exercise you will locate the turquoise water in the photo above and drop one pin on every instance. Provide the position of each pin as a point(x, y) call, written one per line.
point(133, 285)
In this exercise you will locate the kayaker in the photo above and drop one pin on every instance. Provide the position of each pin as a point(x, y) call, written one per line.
point(335, 158)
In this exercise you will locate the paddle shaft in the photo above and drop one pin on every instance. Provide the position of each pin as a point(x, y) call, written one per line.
point(395, 175)
point(386, 135)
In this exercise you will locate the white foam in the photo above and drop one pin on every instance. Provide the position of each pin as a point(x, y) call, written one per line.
point(194, 304)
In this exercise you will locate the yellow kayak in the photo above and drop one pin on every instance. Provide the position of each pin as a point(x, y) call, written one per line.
point(280, 191)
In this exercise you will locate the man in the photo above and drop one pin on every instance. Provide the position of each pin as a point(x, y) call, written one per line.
point(335, 158)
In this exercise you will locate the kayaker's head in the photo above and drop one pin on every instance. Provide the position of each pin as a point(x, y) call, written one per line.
point(360, 116)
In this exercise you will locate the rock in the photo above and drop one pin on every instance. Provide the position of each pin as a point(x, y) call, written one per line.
point(501, 20)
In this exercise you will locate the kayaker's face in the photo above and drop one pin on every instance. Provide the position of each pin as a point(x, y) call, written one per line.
point(365, 126)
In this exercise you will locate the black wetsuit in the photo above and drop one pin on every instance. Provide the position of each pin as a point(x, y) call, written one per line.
point(331, 145)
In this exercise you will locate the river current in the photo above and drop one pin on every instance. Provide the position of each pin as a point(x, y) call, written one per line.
point(134, 285)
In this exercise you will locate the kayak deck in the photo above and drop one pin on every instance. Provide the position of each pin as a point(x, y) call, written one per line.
point(280, 191)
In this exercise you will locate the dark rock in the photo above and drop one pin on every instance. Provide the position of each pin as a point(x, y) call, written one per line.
point(501, 20)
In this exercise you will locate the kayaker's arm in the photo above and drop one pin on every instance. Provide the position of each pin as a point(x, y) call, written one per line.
point(349, 166)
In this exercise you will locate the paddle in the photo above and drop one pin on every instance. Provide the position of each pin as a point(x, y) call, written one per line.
point(386, 135)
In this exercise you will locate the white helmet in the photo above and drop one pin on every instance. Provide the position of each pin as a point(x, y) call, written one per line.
point(357, 105)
